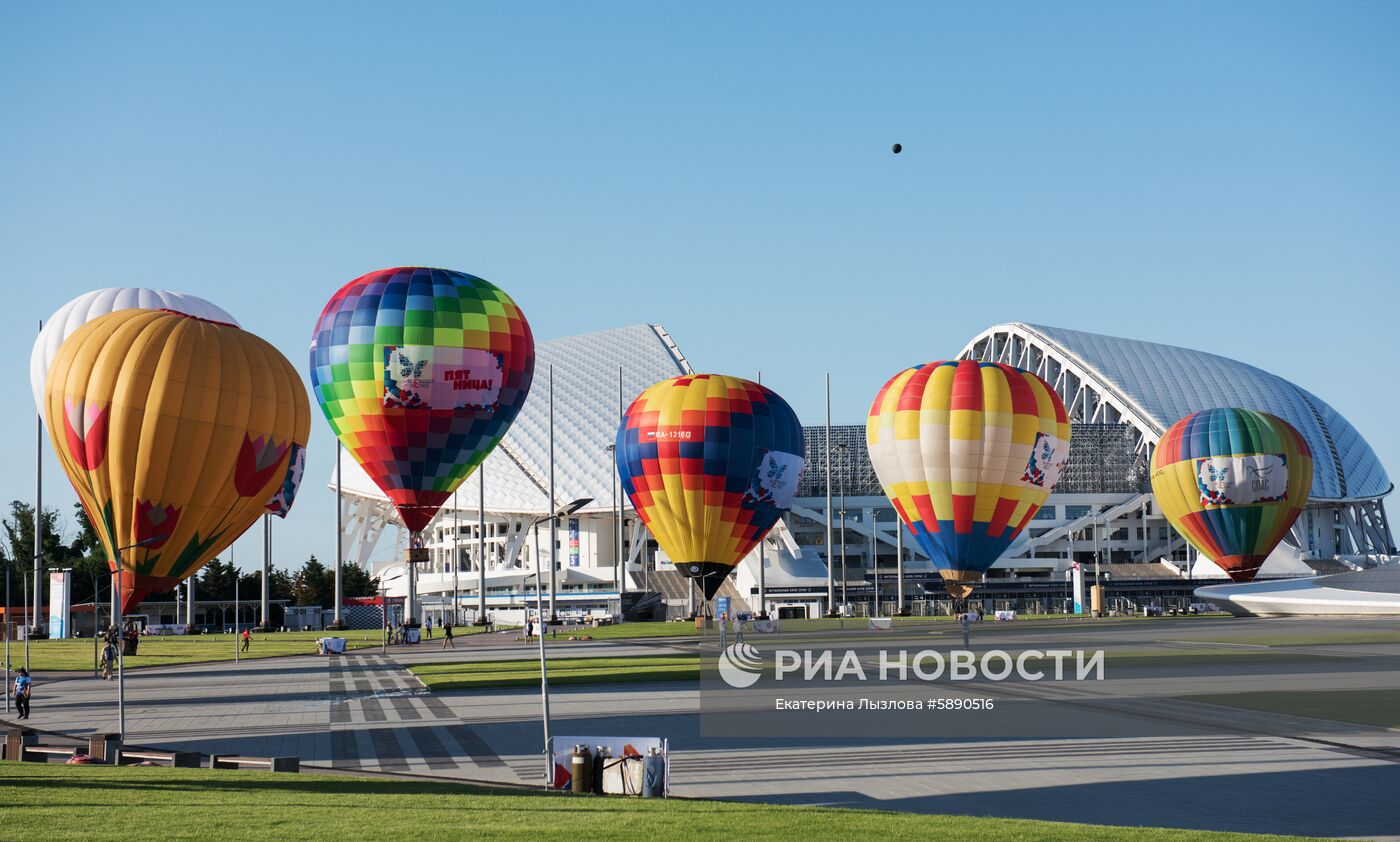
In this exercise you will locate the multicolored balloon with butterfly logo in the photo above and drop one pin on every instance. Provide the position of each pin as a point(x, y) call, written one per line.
point(967, 452)
point(1232, 482)
point(420, 372)
point(710, 463)
point(175, 431)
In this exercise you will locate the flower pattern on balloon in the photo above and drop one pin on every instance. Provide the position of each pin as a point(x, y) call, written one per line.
point(154, 523)
point(258, 460)
point(85, 429)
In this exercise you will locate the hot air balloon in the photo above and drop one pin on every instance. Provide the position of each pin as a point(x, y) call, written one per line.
point(1232, 482)
point(967, 452)
point(175, 432)
point(710, 463)
point(420, 372)
point(100, 302)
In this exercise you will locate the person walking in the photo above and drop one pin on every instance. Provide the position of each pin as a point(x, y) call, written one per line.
point(247, 638)
point(966, 623)
point(723, 629)
point(447, 635)
point(109, 657)
point(529, 628)
point(429, 626)
point(738, 629)
point(23, 687)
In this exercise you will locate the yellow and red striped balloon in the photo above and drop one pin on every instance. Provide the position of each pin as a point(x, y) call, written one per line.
point(967, 452)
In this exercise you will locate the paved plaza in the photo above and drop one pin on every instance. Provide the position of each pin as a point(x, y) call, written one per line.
point(1205, 767)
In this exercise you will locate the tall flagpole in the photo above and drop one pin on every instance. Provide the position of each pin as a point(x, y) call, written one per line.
point(762, 562)
point(830, 573)
point(338, 622)
point(481, 543)
point(553, 522)
point(266, 600)
point(456, 553)
point(38, 516)
point(617, 480)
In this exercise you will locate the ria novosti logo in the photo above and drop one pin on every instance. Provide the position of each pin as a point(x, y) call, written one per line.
point(741, 665)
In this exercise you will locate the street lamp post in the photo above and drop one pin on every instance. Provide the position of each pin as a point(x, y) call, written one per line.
point(552, 517)
point(845, 453)
point(8, 622)
point(619, 570)
point(384, 610)
point(875, 555)
point(121, 675)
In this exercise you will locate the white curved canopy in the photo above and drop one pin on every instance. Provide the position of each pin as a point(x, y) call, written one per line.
point(586, 415)
point(1151, 386)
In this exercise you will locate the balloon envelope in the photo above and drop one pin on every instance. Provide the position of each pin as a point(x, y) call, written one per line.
point(710, 463)
point(174, 432)
point(420, 372)
point(1232, 482)
point(100, 302)
point(967, 453)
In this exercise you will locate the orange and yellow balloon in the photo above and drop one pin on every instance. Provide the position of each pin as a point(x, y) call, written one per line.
point(175, 432)
point(967, 453)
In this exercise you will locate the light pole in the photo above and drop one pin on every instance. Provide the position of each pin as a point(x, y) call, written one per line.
point(456, 553)
point(337, 620)
point(384, 610)
point(121, 675)
point(481, 544)
point(875, 555)
point(617, 514)
point(552, 517)
point(845, 453)
point(830, 579)
point(10, 621)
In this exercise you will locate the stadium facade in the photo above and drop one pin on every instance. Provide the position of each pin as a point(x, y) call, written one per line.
point(1122, 395)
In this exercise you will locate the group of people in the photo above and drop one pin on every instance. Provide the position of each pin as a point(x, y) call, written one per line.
point(111, 639)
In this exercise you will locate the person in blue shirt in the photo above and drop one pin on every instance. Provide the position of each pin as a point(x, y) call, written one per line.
point(22, 689)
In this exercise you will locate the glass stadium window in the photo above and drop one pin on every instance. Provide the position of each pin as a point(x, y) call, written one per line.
point(1162, 532)
point(1120, 534)
point(1075, 512)
point(1045, 513)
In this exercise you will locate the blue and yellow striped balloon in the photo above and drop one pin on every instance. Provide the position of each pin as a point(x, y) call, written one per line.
point(710, 463)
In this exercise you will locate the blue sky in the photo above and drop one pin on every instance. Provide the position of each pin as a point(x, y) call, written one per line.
point(1219, 176)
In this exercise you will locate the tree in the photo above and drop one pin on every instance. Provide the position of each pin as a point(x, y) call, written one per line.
point(356, 581)
point(18, 556)
point(313, 584)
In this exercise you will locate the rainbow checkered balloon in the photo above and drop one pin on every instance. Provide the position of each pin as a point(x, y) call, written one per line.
point(710, 463)
point(1232, 482)
point(967, 452)
point(420, 372)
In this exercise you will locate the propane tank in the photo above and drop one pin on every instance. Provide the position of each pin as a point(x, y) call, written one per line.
point(581, 770)
point(600, 759)
point(654, 774)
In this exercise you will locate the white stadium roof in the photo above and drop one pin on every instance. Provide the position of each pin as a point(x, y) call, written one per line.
point(1157, 385)
point(585, 422)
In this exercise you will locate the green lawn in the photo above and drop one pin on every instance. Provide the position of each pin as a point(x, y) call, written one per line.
point(626, 631)
point(76, 654)
point(1364, 707)
point(1338, 638)
point(53, 802)
point(526, 673)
